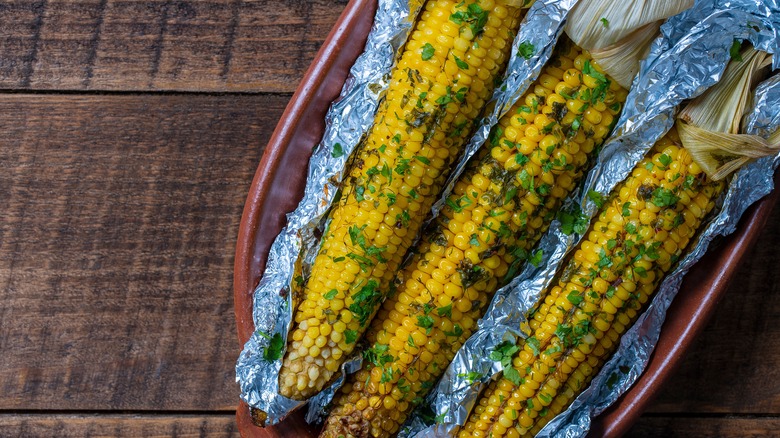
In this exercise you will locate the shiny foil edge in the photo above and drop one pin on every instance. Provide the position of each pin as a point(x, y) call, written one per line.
point(673, 71)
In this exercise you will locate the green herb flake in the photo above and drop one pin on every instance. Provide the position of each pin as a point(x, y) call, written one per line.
point(427, 51)
point(573, 221)
point(574, 298)
point(337, 151)
point(664, 197)
point(604, 22)
point(626, 209)
point(526, 50)
point(612, 380)
point(534, 345)
point(536, 258)
point(463, 65)
point(470, 377)
point(364, 301)
point(377, 355)
point(350, 336)
point(425, 322)
point(596, 197)
point(734, 51)
point(457, 330)
point(474, 241)
point(331, 294)
point(510, 194)
point(445, 311)
point(422, 159)
point(274, 349)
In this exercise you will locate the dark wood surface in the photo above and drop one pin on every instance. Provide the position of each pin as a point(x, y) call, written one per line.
point(129, 134)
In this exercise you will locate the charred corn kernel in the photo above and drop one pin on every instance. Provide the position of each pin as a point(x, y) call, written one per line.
point(513, 176)
point(443, 79)
point(605, 287)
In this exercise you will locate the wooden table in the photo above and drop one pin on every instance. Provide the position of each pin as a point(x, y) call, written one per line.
point(130, 133)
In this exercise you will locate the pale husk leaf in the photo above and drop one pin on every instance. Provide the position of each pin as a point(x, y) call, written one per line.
point(709, 125)
point(621, 60)
point(620, 18)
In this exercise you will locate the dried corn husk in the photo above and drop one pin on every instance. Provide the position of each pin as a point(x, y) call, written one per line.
point(618, 34)
point(709, 125)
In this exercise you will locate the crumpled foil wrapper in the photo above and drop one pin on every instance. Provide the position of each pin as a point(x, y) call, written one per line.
point(348, 119)
point(688, 58)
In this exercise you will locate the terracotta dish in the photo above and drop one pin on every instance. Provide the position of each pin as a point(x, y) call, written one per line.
point(276, 191)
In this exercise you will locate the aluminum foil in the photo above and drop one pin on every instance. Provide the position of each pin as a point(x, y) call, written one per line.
point(347, 121)
point(688, 58)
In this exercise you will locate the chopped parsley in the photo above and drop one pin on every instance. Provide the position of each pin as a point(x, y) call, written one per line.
point(425, 322)
point(337, 150)
point(596, 197)
point(503, 353)
point(445, 311)
point(470, 377)
point(457, 330)
point(734, 51)
point(427, 51)
point(274, 349)
point(377, 355)
point(364, 301)
point(574, 298)
point(573, 221)
point(422, 159)
point(474, 16)
point(664, 197)
point(536, 258)
point(331, 294)
point(526, 50)
point(463, 65)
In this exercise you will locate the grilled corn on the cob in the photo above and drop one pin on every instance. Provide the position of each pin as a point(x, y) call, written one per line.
point(498, 210)
point(637, 237)
point(443, 79)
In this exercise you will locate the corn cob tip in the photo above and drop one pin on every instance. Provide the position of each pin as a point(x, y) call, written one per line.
point(258, 417)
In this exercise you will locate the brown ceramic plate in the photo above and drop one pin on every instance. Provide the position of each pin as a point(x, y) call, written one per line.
point(278, 187)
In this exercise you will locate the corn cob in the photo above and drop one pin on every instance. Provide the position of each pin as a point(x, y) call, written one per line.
point(637, 237)
point(443, 79)
point(497, 212)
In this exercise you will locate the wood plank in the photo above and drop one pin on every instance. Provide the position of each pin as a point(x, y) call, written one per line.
point(120, 215)
point(210, 45)
point(734, 366)
point(111, 425)
point(672, 427)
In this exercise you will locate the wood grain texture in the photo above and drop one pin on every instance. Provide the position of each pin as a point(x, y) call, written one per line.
point(108, 425)
point(705, 427)
point(209, 45)
point(120, 215)
point(734, 366)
